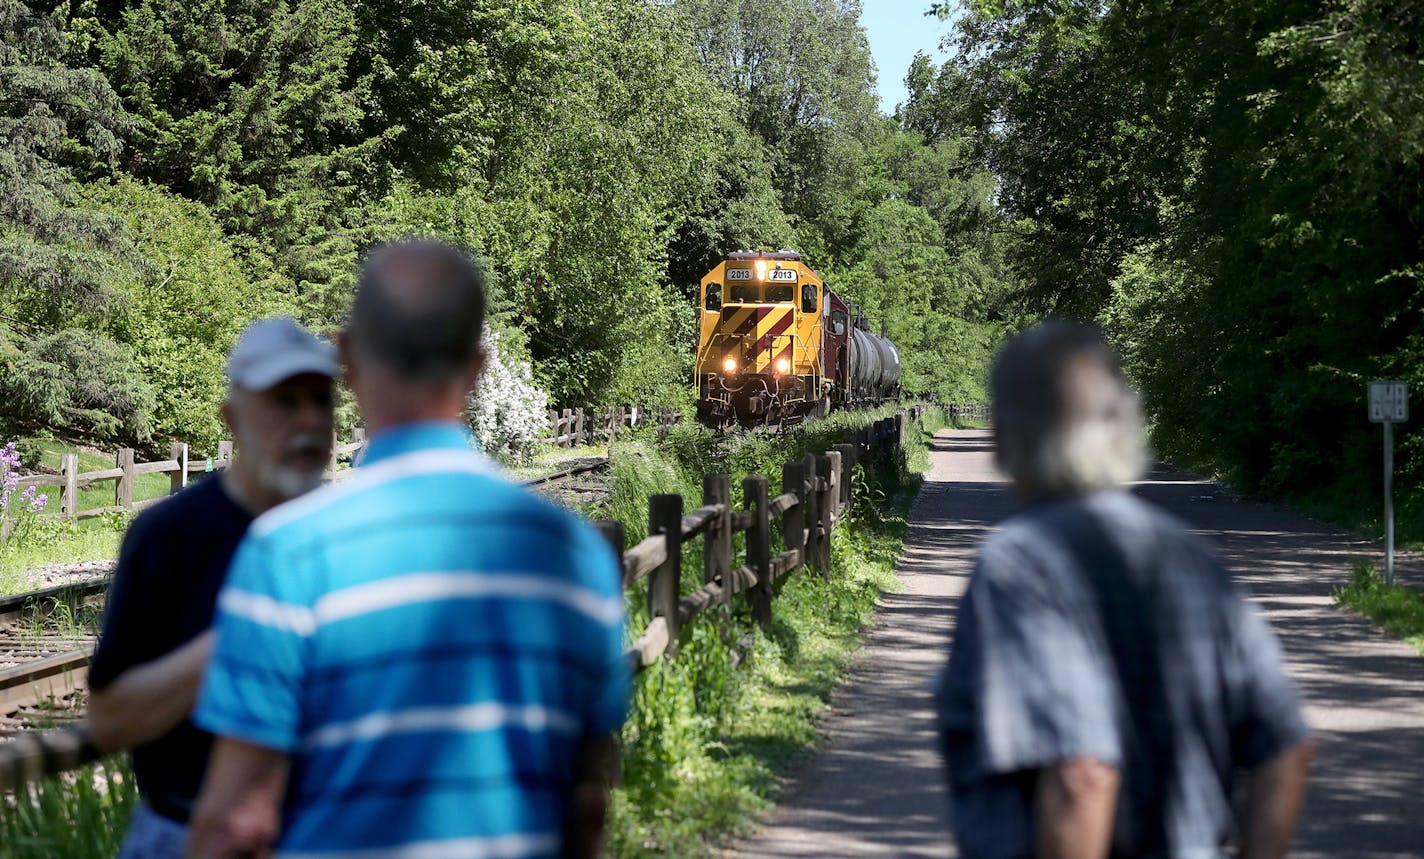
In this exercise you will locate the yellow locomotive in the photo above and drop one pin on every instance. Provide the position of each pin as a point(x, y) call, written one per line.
point(776, 345)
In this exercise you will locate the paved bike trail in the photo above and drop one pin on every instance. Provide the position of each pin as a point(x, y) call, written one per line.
point(875, 786)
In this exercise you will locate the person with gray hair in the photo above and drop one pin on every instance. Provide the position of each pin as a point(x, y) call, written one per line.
point(157, 637)
point(1106, 679)
point(425, 660)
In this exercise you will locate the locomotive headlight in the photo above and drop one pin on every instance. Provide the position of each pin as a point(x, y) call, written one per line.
point(730, 365)
point(782, 365)
point(761, 269)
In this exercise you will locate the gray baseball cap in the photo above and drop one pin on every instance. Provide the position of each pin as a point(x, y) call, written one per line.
point(274, 350)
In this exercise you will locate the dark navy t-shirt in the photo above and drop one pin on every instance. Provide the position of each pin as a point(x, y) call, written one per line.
point(171, 567)
point(1099, 627)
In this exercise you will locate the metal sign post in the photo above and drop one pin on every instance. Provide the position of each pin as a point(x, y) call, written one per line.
point(1389, 404)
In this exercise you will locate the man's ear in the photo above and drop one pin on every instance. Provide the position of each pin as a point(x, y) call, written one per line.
point(229, 413)
point(476, 370)
point(343, 354)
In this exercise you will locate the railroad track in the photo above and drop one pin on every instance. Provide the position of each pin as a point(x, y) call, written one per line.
point(41, 667)
point(45, 643)
point(597, 463)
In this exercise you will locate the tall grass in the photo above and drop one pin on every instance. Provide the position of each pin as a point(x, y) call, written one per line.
point(1399, 610)
point(712, 731)
point(80, 815)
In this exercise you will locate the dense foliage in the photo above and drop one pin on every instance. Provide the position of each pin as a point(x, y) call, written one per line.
point(173, 170)
point(1234, 189)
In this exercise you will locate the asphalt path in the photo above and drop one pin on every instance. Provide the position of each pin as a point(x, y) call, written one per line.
point(875, 786)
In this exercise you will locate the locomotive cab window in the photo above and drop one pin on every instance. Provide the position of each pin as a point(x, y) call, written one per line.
point(714, 297)
point(745, 292)
point(838, 323)
point(780, 293)
point(808, 298)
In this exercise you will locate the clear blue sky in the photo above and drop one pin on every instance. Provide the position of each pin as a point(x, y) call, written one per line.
point(897, 29)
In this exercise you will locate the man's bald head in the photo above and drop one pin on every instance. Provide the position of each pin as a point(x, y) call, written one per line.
point(419, 311)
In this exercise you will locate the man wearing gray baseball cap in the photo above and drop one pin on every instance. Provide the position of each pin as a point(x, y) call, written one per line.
point(156, 638)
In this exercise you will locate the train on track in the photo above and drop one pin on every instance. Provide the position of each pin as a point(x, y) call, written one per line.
point(777, 346)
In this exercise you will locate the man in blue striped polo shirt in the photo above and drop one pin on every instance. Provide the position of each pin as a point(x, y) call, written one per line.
point(424, 660)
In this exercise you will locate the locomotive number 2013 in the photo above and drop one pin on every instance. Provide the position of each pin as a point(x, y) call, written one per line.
point(739, 274)
point(782, 275)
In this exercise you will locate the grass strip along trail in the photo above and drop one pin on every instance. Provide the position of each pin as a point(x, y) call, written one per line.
point(713, 731)
point(1397, 609)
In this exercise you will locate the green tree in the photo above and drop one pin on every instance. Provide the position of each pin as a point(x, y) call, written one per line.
point(57, 257)
point(183, 307)
point(248, 107)
point(803, 80)
point(602, 139)
point(1235, 189)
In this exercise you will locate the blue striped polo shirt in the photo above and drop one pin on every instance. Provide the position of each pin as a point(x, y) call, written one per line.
point(429, 644)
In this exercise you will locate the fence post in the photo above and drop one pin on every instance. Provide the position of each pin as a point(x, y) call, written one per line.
point(224, 454)
point(793, 523)
point(847, 473)
point(69, 496)
point(759, 549)
point(123, 490)
point(811, 500)
point(717, 548)
point(576, 435)
point(554, 427)
point(825, 509)
point(833, 502)
point(612, 531)
point(178, 452)
point(665, 517)
point(332, 461)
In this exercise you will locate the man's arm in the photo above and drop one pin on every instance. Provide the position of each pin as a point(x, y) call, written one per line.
point(149, 700)
point(588, 800)
point(237, 813)
point(1074, 805)
point(1275, 791)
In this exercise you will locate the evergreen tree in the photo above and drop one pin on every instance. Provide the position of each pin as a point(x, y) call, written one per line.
point(57, 257)
point(248, 107)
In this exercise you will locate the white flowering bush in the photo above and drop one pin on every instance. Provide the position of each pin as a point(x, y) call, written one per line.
point(508, 411)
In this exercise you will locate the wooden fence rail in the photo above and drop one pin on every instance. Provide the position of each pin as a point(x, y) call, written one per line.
point(178, 466)
point(968, 411)
point(568, 428)
point(572, 427)
point(816, 493)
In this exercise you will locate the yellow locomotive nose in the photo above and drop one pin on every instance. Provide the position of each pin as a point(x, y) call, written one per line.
point(730, 365)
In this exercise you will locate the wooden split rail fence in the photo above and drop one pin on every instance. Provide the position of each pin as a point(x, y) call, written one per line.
point(179, 467)
point(816, 493)
point(572, 427)
point(568, 428)
point(968, 411)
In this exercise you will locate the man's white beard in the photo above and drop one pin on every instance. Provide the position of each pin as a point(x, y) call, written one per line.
point(288, 483)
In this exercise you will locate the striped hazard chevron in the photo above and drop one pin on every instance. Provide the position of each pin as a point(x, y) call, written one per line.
point(758, 320)
point(751, 330)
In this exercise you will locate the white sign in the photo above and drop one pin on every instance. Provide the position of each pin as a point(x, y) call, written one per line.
point(782, 275)
point(1389, 402)
point(739, 274)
